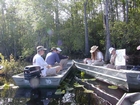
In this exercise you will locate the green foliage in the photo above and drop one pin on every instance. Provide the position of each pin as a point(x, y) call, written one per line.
point(10, 67)
point(24, 25)
point(122, 35)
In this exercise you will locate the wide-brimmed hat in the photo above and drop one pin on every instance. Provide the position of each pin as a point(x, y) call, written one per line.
point(39, 48)
point(93, 49)
point(58, 49)
point(111, 49)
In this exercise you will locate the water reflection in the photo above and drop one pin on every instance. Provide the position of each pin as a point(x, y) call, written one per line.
point(39, 96)
point(35, 98)
point(25, 96)
point(68, 98)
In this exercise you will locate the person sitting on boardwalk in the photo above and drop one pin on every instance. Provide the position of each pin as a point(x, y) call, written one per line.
point(96, 57)
point(38, 60)
point(63, 58)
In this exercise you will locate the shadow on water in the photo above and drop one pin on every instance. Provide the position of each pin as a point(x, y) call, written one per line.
point(66, 94)
point(48, 97)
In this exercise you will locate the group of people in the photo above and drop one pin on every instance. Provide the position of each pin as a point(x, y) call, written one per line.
point(53, 63)
point(97, 58)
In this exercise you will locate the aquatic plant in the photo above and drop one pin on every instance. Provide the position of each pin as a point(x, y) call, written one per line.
point(78, 85)
point(10, 67)
point(88, 91)
point(82, 74)
point(59, 92)
point(112, 87)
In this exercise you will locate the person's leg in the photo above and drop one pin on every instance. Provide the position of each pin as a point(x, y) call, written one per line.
point(85, 60)
point(53, 70)
point(43, 73)
point(110, 66)
point(97, 63)
point(63, 62)
point(89, 61)
point(57, 68)
point(118, 67)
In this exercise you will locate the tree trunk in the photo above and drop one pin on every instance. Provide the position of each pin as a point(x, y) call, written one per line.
point(124, 15)
point(86, 31)
point(126, 11)
point(107, 30)
point(116, 3)
point(57, 20)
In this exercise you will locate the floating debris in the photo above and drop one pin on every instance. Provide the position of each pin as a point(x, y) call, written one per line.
point(69, 89)
point(82, 74)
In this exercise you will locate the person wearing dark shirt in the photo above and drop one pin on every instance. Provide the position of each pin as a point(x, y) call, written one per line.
point(52, 57)
point(63, 58)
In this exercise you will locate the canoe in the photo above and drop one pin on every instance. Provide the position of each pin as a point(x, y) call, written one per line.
point(48, 81)
point(128, 80)
point(130, 99)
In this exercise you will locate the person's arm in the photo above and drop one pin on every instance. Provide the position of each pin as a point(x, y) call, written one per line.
point(62, 56)
point(86, 59)
point(42, 62)
point(112, 59)
point(126, 58)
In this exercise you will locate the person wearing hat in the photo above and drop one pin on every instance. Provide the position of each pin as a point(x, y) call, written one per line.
point(52, 57)
point(63, 58)
point(38, 60)
point(96, 57)
point(112, 51)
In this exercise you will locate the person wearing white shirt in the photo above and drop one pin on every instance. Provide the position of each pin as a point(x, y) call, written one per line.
point(96, 57)
point(38, 60)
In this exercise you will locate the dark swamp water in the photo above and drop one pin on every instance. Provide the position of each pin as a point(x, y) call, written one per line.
point(75, 90)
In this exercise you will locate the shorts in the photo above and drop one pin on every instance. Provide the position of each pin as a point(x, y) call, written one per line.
point(51, 71)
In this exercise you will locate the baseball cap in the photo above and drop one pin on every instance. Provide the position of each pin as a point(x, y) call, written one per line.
point(58, 49)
